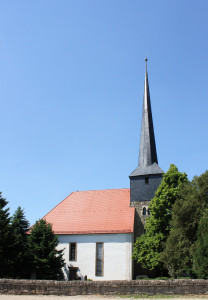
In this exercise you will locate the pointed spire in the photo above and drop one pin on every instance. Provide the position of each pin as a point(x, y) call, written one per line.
point(148, 163)
point(147, 149)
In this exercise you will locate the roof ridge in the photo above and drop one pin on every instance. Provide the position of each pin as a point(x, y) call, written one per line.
point(102, 190)
point(97, 210)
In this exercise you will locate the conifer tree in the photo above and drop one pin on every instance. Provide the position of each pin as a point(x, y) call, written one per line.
point(46, 260)
point(5, 239)
point(20, 226)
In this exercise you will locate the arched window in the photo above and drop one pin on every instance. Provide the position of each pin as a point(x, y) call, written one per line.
point(144, 211)
point(148, 212)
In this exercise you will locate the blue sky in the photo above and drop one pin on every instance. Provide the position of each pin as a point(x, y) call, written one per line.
point(71, 92)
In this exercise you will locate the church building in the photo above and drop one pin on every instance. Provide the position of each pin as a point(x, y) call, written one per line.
point(97, 229)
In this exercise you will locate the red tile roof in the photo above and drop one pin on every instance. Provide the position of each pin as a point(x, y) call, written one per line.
point(90, 212)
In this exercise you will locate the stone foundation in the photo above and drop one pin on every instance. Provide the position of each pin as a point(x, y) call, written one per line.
point(72, 288)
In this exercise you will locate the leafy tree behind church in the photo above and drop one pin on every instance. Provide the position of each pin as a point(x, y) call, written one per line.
point(176, 236)
point(46, 260)
point(185, 250)
point(149, 246)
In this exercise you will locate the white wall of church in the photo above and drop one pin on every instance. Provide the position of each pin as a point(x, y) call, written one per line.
point(117, 263)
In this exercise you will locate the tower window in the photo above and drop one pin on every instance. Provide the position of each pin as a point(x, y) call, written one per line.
point(146, 180)
point(144, 212)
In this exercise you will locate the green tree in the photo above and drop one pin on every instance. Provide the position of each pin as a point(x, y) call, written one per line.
point(20, 226)
point(46, 260)
point(176, 255)
point(5, 239)
point(187, 212)
point(200, 256)
point(149, 246)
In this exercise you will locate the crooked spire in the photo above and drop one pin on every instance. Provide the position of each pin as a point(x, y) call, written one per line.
point(147, 148)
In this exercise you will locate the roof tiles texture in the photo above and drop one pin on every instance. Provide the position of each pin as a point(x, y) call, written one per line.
point(91, 212)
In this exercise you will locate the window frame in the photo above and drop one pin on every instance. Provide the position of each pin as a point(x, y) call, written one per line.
point(70, 251)
point(96, 258)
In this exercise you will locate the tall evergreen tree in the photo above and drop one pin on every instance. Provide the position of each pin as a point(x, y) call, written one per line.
point(46, 260)
point(20, 226)
point(149, 246)
point(5, 239)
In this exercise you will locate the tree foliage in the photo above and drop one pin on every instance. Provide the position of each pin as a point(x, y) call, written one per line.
point(187, 212)
point(20, 226)
point(46, 260)
point(149, 246)
point(21, 254)
point(6, 238)
point(200, 257)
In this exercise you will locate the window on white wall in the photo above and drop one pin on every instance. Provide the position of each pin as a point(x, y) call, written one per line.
point(73, 251)
point(99, 259)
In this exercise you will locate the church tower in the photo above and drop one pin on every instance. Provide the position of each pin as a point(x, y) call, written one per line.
point(146, 178)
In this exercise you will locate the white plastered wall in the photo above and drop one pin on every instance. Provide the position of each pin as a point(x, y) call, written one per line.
point(117, 255)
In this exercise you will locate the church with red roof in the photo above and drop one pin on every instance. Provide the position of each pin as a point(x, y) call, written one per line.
point(97, 229)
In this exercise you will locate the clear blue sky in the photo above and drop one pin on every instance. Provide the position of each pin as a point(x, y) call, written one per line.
point(71, 92)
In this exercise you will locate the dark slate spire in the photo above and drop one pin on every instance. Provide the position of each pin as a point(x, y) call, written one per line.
point(147, 149)
point(148, 163)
